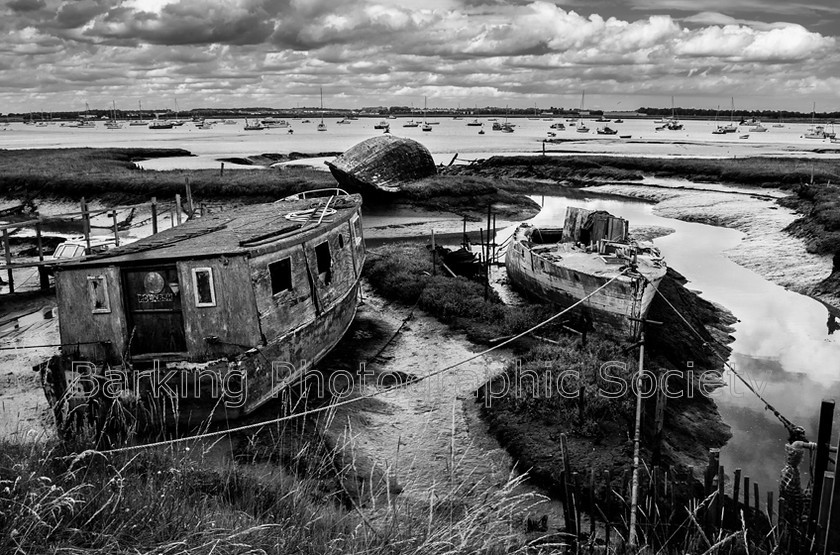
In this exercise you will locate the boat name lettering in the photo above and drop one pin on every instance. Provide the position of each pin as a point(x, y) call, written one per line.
point(155, 297)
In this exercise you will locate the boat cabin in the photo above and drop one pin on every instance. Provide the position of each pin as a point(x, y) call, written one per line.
point(282, 276)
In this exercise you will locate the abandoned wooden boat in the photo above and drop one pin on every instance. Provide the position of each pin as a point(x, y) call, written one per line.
point(211, 319)
point(564, 265)
point(382, 164)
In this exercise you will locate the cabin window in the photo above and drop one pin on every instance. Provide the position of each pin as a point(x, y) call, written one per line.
point(341, 240)
point(357, 229)
point(281, 275)
point(98, 293)
point(324, 260)
point(205, 290)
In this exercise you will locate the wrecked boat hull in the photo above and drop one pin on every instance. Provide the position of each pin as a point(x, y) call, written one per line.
point(608, 311)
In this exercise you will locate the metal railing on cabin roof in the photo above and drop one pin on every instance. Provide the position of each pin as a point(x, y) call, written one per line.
point(314, 193)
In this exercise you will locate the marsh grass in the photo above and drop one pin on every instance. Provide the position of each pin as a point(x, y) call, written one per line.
point(402, 272)
point(757, 171)
point(112, 175)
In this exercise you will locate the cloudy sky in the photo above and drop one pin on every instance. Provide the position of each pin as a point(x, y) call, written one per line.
point(776, 54)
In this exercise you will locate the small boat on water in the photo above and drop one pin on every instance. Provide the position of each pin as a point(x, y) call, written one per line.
point(758, 128)
point(273, 123)
point(411, 123)
point(562, 265)
point(606, 130)
point(558, 125)
point(474, 123)
point(209, 320)
point(160, 124)
point(255, 126)
point(382, 125)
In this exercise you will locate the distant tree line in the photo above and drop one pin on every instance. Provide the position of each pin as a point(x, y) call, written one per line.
point(252, 112)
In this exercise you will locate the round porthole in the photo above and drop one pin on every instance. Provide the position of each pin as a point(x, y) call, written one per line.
point(153, 283)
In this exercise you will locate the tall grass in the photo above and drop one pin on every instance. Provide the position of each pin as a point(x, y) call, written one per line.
point(186, 500)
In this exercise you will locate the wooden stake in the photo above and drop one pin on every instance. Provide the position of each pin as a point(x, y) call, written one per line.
point(820, 462)
point(154, 215)
point(178, 208)
point(189, 198)
point(434, 255)
point(637, 439)
point(736, 489)
point(43, 276)
point(116, 228)
point(7, 250)
point(85, 224)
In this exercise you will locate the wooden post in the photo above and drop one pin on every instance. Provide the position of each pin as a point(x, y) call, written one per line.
point(116, 228)
point(465, 239)
point(832, 536)
point(178, 208)
point(154, 215)
point(736, 489)
point(770, 507)
point(39, 238)
point(820, 463)
point(43, 276)
point(756, 499)
point(494, 239)
point(434, 255)
point(222, 170)
point(637, 440)
point(189, 198)
point(7, 250)
point(825, 508)
point(85, 224)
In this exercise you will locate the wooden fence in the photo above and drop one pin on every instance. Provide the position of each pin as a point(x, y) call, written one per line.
point(694, 512)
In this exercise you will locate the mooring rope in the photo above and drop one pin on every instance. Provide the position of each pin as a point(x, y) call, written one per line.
point(346, 402)
point(793, 429)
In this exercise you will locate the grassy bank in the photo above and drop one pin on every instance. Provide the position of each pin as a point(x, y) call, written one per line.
point(111, 175)
point(277, 499)
point(583, 170)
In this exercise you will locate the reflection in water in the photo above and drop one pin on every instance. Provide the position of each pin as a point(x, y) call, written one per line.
point(781, 342)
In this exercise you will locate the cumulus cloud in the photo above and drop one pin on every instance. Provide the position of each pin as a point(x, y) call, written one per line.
point(446, 49)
